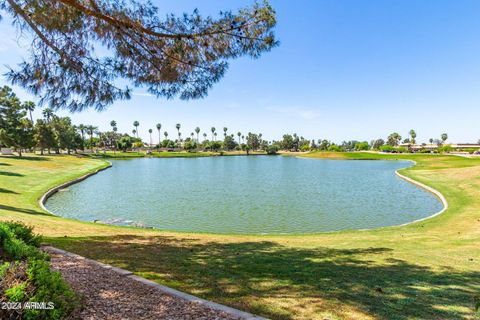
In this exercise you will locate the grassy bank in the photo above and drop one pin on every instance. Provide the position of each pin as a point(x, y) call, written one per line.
point(426, 270)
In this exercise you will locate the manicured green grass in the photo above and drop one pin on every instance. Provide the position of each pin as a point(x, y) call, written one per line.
point(426, 270)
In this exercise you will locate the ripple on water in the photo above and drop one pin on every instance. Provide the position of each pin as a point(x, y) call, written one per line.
point(259, 195)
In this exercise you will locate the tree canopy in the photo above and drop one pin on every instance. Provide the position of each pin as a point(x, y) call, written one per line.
point(83, 49)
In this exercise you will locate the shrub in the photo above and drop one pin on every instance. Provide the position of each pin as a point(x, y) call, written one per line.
point(334, 148)
point(445, 149)
point(305, 147)
point(24, 233)
point(386, 148)
point(273, 149)
point(28, 277)
point(50, 287)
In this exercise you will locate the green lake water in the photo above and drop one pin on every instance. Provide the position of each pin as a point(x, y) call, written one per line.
point(256, 194)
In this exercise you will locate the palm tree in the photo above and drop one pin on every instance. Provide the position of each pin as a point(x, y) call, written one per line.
point(134, 132)
point(113, 124)
point(243, 138)
point(150, 132)
point(215, 135)
point(213, 131)
point(29, 107)
point(204, 136)
point(444, 137)
point(431, 140)
point(165, 134)
point(239, 134)
point(159, 126)
point(115, 129)
point(225, 132)
point(90, 130)
point(191, 135)
point(99, 136)
point(178, 129)
point(82, 128)
point(136, 124)
point(47, 114)
point(413, 135)
point(197, 130)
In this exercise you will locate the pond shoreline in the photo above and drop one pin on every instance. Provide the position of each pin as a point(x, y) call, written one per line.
point(54, 190)
point(436, 193)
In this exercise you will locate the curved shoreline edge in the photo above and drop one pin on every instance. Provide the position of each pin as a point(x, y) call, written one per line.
point(54, 190)
point(435, 192)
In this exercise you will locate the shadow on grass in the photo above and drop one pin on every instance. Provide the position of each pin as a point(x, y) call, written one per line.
point(11, 174)
point(5, 164)
point(265, 277)
point(22, 210)
point(2, 190)
point(28, 158)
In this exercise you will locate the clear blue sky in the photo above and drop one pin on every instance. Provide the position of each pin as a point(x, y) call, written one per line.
point(344, 70)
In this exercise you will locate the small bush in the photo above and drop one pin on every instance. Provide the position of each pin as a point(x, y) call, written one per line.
point(386, 148)
point(335, 148)
point(28, 278)
point(445, 149)
point(16, 293)
point(24, 233)
point(273, 149)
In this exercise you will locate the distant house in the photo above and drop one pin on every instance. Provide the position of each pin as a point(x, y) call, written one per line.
point(6, 151)
point(431, 146)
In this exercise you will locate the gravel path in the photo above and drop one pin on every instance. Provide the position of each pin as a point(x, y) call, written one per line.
point(107, 294)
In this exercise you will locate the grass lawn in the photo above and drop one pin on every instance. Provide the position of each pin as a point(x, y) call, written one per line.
point(426, 270)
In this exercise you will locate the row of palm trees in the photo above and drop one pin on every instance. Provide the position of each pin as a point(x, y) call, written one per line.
point(178, 126)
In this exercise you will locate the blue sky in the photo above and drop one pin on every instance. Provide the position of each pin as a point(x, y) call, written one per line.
point(344, 70)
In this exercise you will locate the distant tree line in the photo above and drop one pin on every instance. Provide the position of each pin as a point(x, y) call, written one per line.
point(52, 133)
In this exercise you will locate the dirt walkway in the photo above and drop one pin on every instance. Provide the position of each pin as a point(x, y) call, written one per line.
point(108, 294)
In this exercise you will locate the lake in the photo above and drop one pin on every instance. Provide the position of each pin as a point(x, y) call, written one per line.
point(247, 194)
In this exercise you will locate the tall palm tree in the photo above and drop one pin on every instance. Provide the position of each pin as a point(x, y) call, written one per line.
point(239, 134)
point(191, 135)
point(213, 131)
point(178, 126)
point(134, 132)
point(29, 107)
point(204, 136)
point(243, 138)
point(136, 124)
point(82, 128)
point(91, 130)
point(47, 114)
point(159, 126)
point(150, 132)
point(197, 130)
point(100, 136)
point(413, 135)
point(165, 134)
point(114, 143)
point(113, 124)
point(215, 135)
point(225, 132)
